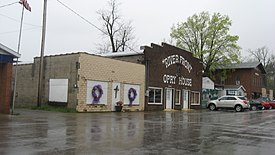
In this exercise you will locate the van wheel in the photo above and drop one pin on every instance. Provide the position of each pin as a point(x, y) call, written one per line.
point(238, 108)
point(212, 107)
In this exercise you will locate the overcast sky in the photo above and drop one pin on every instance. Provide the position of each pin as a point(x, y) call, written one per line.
point(252, 20)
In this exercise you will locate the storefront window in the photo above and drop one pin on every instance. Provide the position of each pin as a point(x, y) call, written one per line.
point(155, 96)
point(177, 99)
point(195, 98)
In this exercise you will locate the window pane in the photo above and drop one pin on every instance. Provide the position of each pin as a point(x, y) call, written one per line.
point(231, 98)
point(151, 95)
point(157, 95)
point(196, 98)
point(177, 96)
point(192, 97)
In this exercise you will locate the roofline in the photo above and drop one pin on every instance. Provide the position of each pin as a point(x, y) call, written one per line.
point(82, 53)
point(258, 64)
point(121, 54)
point(236, 66)
point(64, 54)
point(10, 51)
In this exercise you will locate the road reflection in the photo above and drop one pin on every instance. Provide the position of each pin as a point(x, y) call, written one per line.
point(198, 132)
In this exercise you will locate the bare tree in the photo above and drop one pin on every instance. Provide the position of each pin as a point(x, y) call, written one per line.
point(118, 32)
point(262, 55)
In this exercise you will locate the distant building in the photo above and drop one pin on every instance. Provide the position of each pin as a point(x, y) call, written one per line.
point(249, 75)
point(7, 56)
point(234, 90)
point(208, 91)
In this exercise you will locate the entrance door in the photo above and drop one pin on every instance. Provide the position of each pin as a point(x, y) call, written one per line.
point(169, 98)
point(185, 97)
point(115, 95)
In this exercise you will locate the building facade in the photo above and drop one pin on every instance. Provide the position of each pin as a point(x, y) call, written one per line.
point(250, 75)
point(83, 81)
point(6, 64)
point(173, 77)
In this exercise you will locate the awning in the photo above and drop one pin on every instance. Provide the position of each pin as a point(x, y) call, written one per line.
point(6, 58)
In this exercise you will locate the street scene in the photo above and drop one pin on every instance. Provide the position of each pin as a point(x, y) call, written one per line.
point(201, 132)
point(117, 77)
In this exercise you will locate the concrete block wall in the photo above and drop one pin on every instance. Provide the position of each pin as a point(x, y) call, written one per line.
point(62, 66)
point(55, 67)
point(26, 87)
point(96, 68)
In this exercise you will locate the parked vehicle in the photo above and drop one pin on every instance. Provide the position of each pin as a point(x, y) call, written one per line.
point(255, 105)
point(266, 102)
point(238, 103)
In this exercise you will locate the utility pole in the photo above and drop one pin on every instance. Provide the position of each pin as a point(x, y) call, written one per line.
point(25, 5)
point(15, 72)
point(41, 66)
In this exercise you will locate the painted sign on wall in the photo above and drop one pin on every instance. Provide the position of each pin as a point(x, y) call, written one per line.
point(177, 59)
point(175, 79)
point(131, 94)
point(97, 92)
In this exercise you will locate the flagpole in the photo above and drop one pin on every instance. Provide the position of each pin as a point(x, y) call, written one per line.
point(18, 51)
point(41, 66)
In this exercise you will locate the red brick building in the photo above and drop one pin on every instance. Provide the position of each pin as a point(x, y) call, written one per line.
point(251, 75)
point(6, 59)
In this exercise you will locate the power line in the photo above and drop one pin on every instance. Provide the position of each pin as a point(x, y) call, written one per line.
point(18, 30)
point(8, 4)
point(89, 22)
point(81, 16)
point(19, 21)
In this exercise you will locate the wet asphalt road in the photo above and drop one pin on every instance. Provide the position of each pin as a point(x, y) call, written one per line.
point(137, 133)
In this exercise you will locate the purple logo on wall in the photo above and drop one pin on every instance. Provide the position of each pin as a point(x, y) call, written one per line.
point(97, 93)
point(132, 94)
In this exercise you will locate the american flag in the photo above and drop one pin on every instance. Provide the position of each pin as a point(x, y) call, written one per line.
point(25, 4)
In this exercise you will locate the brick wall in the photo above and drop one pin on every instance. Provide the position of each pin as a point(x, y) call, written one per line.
point(5, 87)
point(157, 69)
point(108, 70)
point(251, 78)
